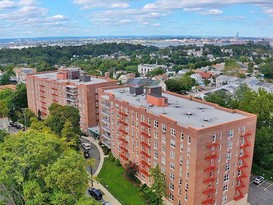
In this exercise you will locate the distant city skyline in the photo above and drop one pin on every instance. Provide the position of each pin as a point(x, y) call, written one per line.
point(41, 18)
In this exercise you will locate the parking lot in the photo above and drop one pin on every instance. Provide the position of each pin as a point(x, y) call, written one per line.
point(261, 194)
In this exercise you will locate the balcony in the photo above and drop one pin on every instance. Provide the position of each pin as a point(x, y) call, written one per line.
point(42, 86)
point(145, 124)
point(143, 171)
point(123, 131)
point(105, 113)
point(123, 123)
point(56, 101)
point(145, 134)
point(53, 88)
point(209, 190)
point(242, 167)
point(213, 144)
point(123, 156)
point(107, 129)
point(210, 168)
point(145, 154)
point(105, 105)
point(42, 91)
point(238, 196)
point(208, 201)
point(144, 163)
point(54, 94)
point(241, 177)
point(210, 179)
point(124, 149)
point(245, 145)
point(42, 96)
point(122, 113)
point(106, 136)
point(244, 156)
point(123, 140)
point(241, 186)
point(212, 156)
point(145, 144)
point(247, 134)
point(105, 120)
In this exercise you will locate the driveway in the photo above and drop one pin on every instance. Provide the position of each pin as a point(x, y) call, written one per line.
point(94, 153)
point(260, 194)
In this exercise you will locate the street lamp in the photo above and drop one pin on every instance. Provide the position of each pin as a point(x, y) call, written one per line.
point(25, 119)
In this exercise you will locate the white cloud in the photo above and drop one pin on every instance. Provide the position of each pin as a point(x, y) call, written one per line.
point(212, 12)
point(6, 4)
point(89, 4)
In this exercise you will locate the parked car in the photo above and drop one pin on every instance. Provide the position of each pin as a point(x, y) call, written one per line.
point(86, 154)
point(106, 203)
point(95, 193)
point(86, 146)
point(258, 180)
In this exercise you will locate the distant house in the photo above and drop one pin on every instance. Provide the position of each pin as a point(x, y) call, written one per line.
point(183, 71)
point(147, 82)
point(21, 73)
point(10, 86)
point(197, 77)
point(224, 80)
point(143, 69)
point(4, 123)
point(124, 78)
point(205, 75)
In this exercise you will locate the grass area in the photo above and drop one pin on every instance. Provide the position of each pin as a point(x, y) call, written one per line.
point(111, 176)
point(261, 172)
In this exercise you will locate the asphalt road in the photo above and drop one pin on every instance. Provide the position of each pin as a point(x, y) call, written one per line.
point(260, 194)
point(94, 153)
point(13, 130)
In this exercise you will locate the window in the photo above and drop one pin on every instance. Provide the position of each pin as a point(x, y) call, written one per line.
point(156, 124)
point(214, 138)
point(164, 128)
point(182, 136)
point(163, 149)
point(230, 143)
point(156, 134)
point(171, 197)
point(142, 118)
point(172, 165)
point(149, 121)
point(163, 160)
point(181, 147)
point(186, 186)
point(172, 176)
point(173, 143)
point(156, 154)
point(171, 186)
point(173, 132)
point(187, 175)
point(163, 139)
point(224, 199)
point(227, 168)
point(156, 145)
point(180, 181)
point(181, 159)
point(188, 151)
point(172, 154)
point(186, 196)
point(225, 187)
point(220, 147)
point(228, 155)
point(230, 133)
point(226, 177)
point(189, 139)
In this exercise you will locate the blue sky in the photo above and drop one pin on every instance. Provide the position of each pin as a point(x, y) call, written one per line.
point(42, 18)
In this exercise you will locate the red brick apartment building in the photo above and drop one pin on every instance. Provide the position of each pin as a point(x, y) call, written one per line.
point(204, 150)
point(67, 87)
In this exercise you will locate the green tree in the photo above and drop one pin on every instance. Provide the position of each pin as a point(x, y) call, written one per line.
point(37, 167)
point(231, 66)
point(19, 98)
point(4, 110)
point(24, 117)
point(3, 134)
point(220, 98)
point(59, 114)
point(68, 132)
point(131, 170)
point(91, 163)
point(159, 184)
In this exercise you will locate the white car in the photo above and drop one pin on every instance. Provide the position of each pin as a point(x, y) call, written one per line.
point(258, 180)
point(86, 146)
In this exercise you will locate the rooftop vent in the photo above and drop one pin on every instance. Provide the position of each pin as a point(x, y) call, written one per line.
point(201, 108)
point(134, 94)
point(151, 105)
point(189, 113)
point(177, 106)
point(164, 112)
point(206, 119)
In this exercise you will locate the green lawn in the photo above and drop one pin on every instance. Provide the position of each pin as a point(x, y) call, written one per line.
point(123, 190)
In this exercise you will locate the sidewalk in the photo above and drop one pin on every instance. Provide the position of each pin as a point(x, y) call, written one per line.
point(107, 196)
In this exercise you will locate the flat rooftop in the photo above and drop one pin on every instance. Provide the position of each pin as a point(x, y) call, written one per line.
point(53, 76)
point(188, 113)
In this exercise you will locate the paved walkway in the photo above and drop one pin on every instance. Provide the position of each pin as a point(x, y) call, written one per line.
point(107, 196)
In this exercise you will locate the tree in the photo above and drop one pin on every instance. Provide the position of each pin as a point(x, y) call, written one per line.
point(220, 98)
point(68, 132)
point(24, 117)
point(3, 134)
point(159, 184)
point(267, 69)
point(91, 163)
point(4, 110)
point(19, 98)
point(231, 66)
point(131, 170)
point(59, 114)
point(37, 167)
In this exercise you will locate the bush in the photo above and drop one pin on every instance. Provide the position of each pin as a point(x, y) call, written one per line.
point(117, 162)
point(131, 170)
